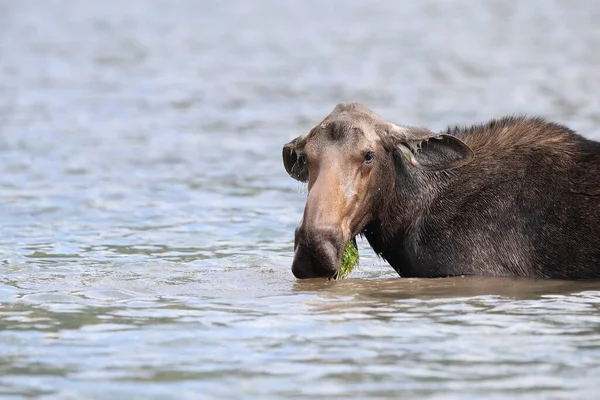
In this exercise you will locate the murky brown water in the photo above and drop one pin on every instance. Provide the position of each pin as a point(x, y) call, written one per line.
point(146, 221)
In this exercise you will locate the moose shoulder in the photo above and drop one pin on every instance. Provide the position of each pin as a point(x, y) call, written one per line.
point(516, 196)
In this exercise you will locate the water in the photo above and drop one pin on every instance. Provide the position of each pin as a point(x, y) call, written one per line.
point(147, 222)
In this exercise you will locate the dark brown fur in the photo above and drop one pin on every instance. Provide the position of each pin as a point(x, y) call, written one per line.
point(517, 196)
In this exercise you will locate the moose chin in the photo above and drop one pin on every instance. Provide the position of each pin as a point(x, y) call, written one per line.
point(517, 196)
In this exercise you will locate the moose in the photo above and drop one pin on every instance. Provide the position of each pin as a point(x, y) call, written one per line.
point(517, 196)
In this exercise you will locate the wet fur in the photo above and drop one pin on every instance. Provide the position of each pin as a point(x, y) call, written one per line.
point(527, 205)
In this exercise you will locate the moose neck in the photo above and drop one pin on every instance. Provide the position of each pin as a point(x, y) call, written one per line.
point(396, 223)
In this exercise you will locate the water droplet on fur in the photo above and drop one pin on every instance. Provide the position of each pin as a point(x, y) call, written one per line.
point(301, 189)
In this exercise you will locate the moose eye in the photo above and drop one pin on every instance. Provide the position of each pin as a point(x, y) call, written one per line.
point(369, 156)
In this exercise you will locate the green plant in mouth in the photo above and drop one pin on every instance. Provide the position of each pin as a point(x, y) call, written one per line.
point(349, 260)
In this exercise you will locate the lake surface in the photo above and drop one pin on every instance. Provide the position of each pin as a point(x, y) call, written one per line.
point(146, 220)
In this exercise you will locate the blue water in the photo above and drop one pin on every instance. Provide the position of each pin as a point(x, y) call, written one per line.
point(146, 220)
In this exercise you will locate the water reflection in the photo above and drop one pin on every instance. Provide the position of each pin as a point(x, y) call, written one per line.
point(455, 287)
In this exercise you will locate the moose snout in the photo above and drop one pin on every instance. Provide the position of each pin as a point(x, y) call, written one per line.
point(317, 252)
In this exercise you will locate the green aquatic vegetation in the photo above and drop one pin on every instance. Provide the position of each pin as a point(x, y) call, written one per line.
point(349, 261)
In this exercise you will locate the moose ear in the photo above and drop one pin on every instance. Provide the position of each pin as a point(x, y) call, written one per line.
point(436, 152)
point(294, 163)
